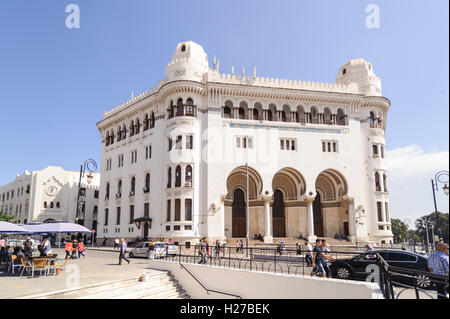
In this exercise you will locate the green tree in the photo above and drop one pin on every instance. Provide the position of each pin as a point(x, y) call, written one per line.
point(5, 218)
point(443, 226)
point(400, 230)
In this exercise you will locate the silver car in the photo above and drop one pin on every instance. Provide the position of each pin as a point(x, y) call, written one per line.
point(141, 250)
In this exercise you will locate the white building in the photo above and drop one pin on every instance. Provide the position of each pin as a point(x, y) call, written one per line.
point(173, 158)
point(51, 195)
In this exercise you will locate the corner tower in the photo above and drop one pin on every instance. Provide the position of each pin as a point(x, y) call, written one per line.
point(189, 62)
point(360, 71)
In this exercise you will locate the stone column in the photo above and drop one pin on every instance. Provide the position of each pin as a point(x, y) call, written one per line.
point(268, 238)
point(351, 220)
point(310, 214)
point(250, 114)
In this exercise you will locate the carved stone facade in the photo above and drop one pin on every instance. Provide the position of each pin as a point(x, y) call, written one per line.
point(312, 151)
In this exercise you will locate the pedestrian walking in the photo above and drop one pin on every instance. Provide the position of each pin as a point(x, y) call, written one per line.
point(81, 249)
point(68, 248)
point(308, 258)
point(298, 249)
point(327, 258)
point(241, 245)
point(202, 250)
point(438, 264)
point(123, 250)
point(318, 259)
point(217, 250)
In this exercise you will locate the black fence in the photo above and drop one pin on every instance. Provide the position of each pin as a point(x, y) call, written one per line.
point(395, 282)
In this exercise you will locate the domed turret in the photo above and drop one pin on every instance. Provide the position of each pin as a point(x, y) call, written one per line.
point(360, 71)
point(189, 62)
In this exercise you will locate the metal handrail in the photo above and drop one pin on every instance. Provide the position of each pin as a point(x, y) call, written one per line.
point(206, 289)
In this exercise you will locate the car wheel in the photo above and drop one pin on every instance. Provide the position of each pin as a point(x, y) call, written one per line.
point(423, 281)
point(342, 273)
point(131, 255)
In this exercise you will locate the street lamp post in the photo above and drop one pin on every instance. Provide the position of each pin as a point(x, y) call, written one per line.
point(91, 166)
point(438, 178)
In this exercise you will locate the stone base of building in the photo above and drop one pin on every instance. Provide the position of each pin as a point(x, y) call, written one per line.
point(268, 240)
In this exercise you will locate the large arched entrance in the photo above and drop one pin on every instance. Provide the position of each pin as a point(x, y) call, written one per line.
point(328, 208)
point(235, 202)
point(278, 215)
point(318, 218)
point(239, 225)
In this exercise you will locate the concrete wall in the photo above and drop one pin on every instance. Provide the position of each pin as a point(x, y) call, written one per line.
point(263, 285)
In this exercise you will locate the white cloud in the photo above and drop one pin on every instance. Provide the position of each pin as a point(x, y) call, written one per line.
point(410, 171)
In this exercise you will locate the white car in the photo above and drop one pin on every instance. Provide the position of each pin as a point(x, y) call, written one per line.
point(141, 250)
point(162, 249)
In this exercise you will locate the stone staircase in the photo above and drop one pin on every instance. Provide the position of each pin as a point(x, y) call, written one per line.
point(157, 285)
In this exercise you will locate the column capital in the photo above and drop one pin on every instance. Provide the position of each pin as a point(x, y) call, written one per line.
point(309, 199)
point(266, 198)
point(349, 200)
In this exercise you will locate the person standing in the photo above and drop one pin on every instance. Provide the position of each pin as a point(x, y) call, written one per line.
point(317, 259)
point(237, 246)
point(202, 250)
point(123, 250)
point(241, 245)
point(46, 247)
point(438, 264)
point(308, 257)
point(81, 251)
point(217, 250)
point(327, 258)
point(28, 248)
point(68, 248)
point(116, 243)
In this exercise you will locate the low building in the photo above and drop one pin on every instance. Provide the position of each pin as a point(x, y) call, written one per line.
point(51, 195)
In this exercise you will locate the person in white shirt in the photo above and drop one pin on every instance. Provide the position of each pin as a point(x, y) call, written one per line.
point(116, 243)
point(308, 257)
point(47, 247)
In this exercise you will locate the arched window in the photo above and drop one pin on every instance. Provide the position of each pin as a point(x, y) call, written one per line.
point(372, 119)
point(51, 204)
point(188, 177)
point(190, 108)
point(45, 204)
point(152, 120)
point(269, 115)
point(107, 139)
point(340, 117)
point(287, 116)
point(283, 116)
point(112, 137)
point(300, 114)
point(314, 116)
point(107, 191)
point(241, 113)
point(57, 205)
point(327, 116)
point(137, 127)
point(133, 185)
point(227, 112)
point(377, 182)
point(171, 110)
point(178, 176)
point(169, 177)
point(119, 134)
point(146, 122)
point(119, 188)
point(178, 142)
point(132, 128)
point(180, 107)
point(124, 132)
point(183, 48)
point(257, 112)
point(344, 71)
point(147, 183)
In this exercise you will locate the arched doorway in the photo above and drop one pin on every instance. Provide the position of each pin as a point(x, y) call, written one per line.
point(239, 225)
point(318, 218)
point(278, 216)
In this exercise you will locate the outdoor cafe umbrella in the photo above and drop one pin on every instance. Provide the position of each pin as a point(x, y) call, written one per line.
point(10, 228)
point(50, 228)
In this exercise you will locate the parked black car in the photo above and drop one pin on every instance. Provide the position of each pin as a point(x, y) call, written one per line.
point(355, 268)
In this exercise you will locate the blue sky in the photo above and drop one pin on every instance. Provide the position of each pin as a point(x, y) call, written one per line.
point(56, 82)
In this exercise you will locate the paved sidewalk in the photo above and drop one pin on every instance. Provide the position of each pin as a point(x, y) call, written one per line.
point(98, 266)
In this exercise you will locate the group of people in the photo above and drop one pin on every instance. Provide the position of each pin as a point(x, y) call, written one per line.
point(72, 247)
point(321, 258)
